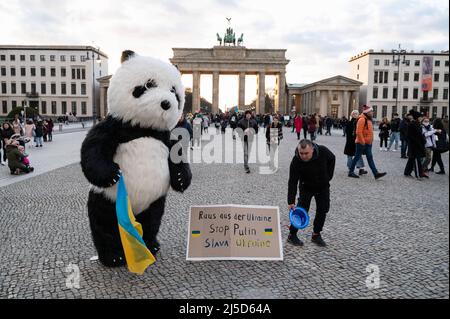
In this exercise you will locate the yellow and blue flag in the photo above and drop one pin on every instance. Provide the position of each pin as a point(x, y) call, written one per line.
point(137, 255)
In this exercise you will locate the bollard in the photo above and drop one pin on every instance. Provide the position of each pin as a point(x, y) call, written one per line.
point(60, 127)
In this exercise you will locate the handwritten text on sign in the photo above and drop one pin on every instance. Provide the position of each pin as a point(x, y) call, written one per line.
point(234, 232)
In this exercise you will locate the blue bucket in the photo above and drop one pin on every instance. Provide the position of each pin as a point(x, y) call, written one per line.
point(299, 217)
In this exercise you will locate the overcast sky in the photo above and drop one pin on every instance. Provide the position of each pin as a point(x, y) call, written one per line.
point(320, 36)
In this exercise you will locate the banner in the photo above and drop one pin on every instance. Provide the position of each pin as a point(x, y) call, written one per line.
point(234, 232)
point(427, 73)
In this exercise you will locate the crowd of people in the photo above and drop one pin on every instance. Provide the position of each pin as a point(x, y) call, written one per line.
point(16, 134)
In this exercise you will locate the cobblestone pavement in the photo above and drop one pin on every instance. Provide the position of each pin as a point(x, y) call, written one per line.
point(401, 225)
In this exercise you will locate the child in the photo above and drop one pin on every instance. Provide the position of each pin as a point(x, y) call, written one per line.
point(25, 160)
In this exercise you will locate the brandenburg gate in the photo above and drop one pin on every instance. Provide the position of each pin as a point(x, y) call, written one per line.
point(237, 60)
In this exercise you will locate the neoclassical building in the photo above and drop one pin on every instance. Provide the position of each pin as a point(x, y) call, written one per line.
point(336, 96)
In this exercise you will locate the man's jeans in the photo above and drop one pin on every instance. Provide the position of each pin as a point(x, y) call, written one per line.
point(367, 150)
point(360, 163)
point(404, 147)
point(395, 136)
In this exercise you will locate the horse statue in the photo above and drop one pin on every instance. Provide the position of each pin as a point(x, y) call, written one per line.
point(230, 37)
point(219, 38)
point(241, 39)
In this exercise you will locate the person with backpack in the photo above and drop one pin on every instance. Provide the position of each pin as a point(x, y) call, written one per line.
point(441, 146)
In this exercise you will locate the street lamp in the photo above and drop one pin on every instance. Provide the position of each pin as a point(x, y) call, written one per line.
point(98, 60)
point(396, 59)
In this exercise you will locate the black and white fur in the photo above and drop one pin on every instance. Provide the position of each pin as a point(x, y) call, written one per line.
point(145, 100)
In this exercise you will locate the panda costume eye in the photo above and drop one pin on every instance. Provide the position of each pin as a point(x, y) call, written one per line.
point(140, 89)
point(174, 91)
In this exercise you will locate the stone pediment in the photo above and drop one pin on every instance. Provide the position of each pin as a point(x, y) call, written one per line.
point(338, 80)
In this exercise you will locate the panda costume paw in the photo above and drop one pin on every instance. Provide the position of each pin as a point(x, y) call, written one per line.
point(145, 100)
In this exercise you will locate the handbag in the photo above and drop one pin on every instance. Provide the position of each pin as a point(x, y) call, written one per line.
point(442, 143)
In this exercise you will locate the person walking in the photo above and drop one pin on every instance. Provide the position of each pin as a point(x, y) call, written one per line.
point(384, 128)
point(249, 128)
point(50, 129)
point(329, 124)
point(416, 146)
point(364, 140)
point(395, 132)
point(312, 126)
point(305, 125)
point(350, 145)
point(298, 123)
point(430, 145)
point(39, 133)
point(311, 171)
point(441, 146)
point(7, 132)
point(404, 135)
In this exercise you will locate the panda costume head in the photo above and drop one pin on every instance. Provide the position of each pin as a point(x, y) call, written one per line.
point(146, 92)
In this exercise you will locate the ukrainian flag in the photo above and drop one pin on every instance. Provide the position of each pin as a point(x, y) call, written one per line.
point(195, 233)
point(268, 231)
point(137, 255)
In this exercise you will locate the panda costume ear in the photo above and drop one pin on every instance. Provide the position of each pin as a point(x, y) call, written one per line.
point(126, 55)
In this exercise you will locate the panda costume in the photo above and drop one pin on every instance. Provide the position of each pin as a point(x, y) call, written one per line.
point(145, 101)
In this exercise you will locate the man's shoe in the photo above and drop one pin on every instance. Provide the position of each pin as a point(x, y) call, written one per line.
point(247, 170)
point(362, 172)
point(379, 175)
point(441, 173)
point(294, 240)
point(351, 174)
point(425, 175)
point(317, 239)
point(403, 157)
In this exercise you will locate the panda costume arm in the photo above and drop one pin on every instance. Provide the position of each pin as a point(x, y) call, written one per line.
point(180, 173)
point(97, 152)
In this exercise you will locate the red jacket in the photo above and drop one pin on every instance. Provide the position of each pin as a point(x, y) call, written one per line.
point(298, 123)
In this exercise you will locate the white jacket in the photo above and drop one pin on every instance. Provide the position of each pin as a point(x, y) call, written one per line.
point(429, 136)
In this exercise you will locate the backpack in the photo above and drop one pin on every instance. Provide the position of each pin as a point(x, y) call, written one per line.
point(442, 143)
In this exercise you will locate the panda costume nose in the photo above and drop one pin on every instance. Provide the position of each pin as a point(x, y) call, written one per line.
point(165, 105)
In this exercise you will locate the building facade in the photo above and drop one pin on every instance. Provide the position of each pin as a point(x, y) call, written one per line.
point(335, 97)
point(55, 80)
point(420, 81)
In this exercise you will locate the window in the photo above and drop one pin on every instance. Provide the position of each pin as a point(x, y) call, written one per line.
point(33, 87)
point(3, 71)
point(386, 62)
point(13, 88)
point(78, 74)
point(73, 74)
point(407, 62)
point(63, 72)
point(436, 77)
point(404, 109)
point(53, 88)
point(64, 107)
point(357, 67)
point(375, 93)
point(13, 71)
point(434, 112)
point(446, 63)
point(44, 107)
point(415, 93)
point(444, 111)
point(63, 88)
point(385, 93)
point(375, 77)
point(414, 107)
point(416, 76)
point(4, 107)
point(393, 111)
point(33, 71)
point(32, 57)
point(83, 108)
point(12, 57)
point(357, 76)
point(52, 58)
point(72, 58)
point(74, 107)
point(335, 97)
point(380, 77)
point(73, 88)
point(42, 71)
point(14, 104)
point(83, 74)
point(62, 58)
point(43, 88)
point(23, 72)
point(83, 88)
point(54, 107)
point(406, 76)
point(42, 58)
point(376, 62)
point(417, 62)
point(52, 71)
point(82, 58)
point(2, 57)
point(3, 87)
point(437, 63)
point(405, 93)
point(386, 74)
point(375, 109)
point(22, 57)
point(23, 88)
point(435, 93)
point(395, 76)
point(445, 95)
point(394, 93)
point(445, 77)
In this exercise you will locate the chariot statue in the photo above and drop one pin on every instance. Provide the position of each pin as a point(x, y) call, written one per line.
point(229, 36)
